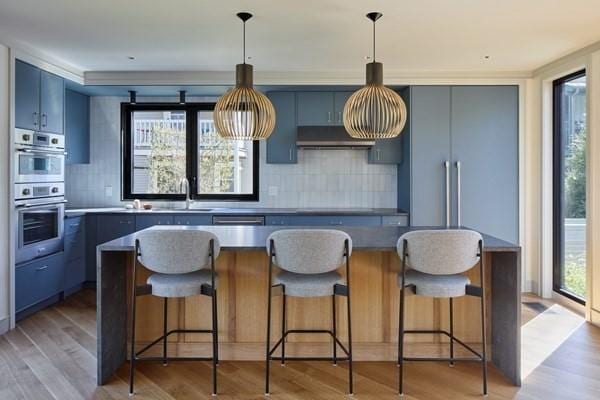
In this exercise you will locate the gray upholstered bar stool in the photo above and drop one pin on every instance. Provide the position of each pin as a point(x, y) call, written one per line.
point(308, 259)
point(183, 262)
point(436, 260)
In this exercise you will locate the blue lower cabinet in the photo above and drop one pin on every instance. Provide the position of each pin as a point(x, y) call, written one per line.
point(38, 280)
point(146, 221)
point(324, 220)
point(74, 273)
point(111, 227)
point(192, 220)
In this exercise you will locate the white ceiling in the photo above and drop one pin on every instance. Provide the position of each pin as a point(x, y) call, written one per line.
point(301, 36)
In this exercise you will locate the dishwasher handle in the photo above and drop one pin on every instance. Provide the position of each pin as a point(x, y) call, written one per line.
point(238, 220)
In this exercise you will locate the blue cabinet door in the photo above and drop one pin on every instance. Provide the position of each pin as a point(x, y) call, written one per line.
point(110, 227)
point(77, 128)
point(315, 108)
point(485, 140)
point(281, 145)
point(339, 101)
point(52, 103)
point(27, 96)
point(324, 220)
point(187, 219)
point(390, 151)
point(146, 221)
point(38, 280)
point(430, 148)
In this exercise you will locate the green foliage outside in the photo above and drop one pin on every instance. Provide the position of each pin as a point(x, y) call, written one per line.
point(166, 162)
point(575, 177)
point(574, 274)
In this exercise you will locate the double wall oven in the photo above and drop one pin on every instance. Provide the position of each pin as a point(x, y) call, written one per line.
point(39, 194)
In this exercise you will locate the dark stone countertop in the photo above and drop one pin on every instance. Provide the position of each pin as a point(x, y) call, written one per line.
point(75, 212)
point(244, 238)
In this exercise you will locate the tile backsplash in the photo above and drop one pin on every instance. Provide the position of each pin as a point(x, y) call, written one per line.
point(321, 178)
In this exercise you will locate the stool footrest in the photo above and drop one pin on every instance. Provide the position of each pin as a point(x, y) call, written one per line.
point(453, 338)
point(278, 358)
point(287, 332)
point(162, 337)
point(157, 358)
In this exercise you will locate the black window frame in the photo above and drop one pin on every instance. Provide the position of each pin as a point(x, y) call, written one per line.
point(191, 110)
point(558, 187)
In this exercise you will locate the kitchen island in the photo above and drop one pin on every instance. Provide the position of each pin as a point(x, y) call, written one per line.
point(242, 295)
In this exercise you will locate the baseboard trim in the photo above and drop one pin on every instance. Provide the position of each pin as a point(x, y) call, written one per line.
point(4, 325)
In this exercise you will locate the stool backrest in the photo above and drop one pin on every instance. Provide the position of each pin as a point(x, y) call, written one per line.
point(176, 251)
point(441, 252)
point(309, 251)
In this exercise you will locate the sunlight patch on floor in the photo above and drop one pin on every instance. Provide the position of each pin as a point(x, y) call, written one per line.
point(541, 336)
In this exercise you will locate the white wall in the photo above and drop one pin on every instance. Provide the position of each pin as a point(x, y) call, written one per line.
point(321, 178)
point(4, 186)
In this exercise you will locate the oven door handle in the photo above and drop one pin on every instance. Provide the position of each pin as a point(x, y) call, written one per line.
point(30, 205)
point(41, 151)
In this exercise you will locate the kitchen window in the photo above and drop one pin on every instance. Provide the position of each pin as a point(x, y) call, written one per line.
point(164, 143)
point(569, 186)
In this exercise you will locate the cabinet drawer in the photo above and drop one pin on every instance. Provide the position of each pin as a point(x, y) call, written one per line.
point(398, 220)
point(74, 273)
point(38, 280)
point(74, 246)
point(192, 220)
point(146, 221)
point(324, 220)
point(74, 225)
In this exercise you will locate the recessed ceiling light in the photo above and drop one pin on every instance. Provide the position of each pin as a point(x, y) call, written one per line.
point(131, 58)
point(367, 57)
point(486, 57)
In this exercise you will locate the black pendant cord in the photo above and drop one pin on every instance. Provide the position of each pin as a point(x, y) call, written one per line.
point(244, 16)
point(374, 41)
point(244, 44)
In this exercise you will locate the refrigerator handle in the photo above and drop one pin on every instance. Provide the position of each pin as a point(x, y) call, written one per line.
point(447, 168)
point(458, 206)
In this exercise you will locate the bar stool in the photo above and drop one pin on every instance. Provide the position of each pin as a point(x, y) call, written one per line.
point(183, 262)
point(437, 259)
point(308, 259)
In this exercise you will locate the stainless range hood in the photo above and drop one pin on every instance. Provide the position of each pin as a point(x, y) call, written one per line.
point(329, 137)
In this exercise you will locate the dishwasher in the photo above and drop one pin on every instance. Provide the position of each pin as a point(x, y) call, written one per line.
point(250, 220)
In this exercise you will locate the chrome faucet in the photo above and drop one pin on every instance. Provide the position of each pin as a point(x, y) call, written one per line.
point(186, 184)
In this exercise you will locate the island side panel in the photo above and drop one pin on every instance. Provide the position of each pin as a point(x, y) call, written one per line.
point(112, 312)
point(506, 314)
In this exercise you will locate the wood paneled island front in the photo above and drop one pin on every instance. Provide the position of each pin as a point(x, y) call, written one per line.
point(242, 268)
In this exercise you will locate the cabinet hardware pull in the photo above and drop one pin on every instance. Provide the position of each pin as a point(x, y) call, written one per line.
point(43, 267)
point(447, 167)
point(44, 120)
point(35, 118)
point(290, 154)
point(340, 117)
point(335, 223)
point(458, 193)
point(329, 116)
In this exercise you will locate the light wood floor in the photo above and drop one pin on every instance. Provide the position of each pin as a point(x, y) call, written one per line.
point(51, 355)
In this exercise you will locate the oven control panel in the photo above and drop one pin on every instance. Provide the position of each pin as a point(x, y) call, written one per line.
point(37, 139)
point(39, 190)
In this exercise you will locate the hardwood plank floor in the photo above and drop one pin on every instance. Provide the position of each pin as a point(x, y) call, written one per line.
point(51, 355)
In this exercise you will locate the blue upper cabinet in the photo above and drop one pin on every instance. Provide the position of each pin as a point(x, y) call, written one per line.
point(339, 101)
point(315, 108)
point(27, 96)
point(52, 103)
point(389, 151)
point(39, 99)
point(77, 128)
point(281, 145)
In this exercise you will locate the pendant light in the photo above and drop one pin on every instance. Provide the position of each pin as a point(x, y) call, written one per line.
point(243, 113)
point(374, 111)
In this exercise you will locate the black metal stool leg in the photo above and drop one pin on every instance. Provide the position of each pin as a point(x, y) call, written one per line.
point(283, 325)
point(268, 356)
point(216, 329)
point(215, 333)
point(165, 317)
point(401, 344)
point(334, 331)
point(350, 381)
point(451, 332)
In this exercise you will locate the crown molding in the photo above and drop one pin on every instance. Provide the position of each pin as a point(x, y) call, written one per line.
point(565, 61)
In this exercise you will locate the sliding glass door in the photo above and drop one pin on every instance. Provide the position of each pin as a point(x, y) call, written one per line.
point(569, 185)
